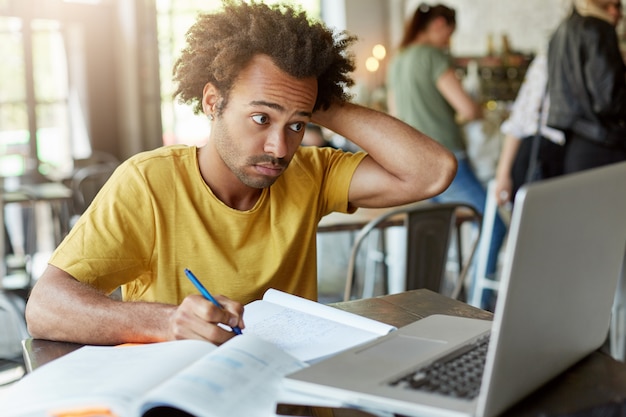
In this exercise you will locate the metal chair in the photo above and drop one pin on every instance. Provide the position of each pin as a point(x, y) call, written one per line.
point(86, 182)
point(429, 227)
point(481, 281)
point(617, 333)
point(13, 330)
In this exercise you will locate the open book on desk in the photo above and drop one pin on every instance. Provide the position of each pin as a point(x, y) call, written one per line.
point(239, 378)
point(308, 330)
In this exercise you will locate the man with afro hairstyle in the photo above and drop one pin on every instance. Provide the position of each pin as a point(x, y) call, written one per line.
point(242, 210)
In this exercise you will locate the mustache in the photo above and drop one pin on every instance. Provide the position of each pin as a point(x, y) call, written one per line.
point(267, 159)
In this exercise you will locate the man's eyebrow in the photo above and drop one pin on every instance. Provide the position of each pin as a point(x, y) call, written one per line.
point(278, 107)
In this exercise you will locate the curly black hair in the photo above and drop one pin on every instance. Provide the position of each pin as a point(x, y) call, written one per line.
point(220, 45)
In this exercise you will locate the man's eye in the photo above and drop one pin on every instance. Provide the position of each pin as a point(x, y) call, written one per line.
point(296, 127)
point(260, 119)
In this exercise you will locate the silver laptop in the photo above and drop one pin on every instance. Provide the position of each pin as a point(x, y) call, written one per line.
point(564, 255)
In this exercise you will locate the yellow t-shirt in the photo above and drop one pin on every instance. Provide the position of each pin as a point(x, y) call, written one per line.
point(156, 216)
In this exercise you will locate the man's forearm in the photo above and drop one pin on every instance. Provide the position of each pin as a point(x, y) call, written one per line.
point(65, 309)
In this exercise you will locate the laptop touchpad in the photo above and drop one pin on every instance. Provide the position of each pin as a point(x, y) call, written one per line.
point(402, 347)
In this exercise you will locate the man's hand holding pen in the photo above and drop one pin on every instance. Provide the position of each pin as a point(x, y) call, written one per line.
point(199, 318)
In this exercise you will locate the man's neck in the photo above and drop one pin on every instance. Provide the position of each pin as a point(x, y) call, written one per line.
point(223, 183)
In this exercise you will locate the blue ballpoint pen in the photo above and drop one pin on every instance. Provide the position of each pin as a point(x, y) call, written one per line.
point(207, 294)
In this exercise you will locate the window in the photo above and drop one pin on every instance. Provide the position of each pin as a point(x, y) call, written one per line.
point(52, 99)
point(36, 129)
point(174, 17)
point(180, 124)
point(34, 103)
point(14, 131)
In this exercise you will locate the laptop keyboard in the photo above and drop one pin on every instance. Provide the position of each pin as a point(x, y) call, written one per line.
point(457, 374)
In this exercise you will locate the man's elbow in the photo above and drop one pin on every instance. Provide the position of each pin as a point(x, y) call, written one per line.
point(45, 323)
point(36, 319)
point(446, 171)
point(433, 178)
point(42, 317)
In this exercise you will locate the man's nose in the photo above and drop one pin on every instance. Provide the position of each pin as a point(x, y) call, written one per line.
point(276, 144)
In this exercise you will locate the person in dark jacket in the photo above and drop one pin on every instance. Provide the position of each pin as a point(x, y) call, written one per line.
point(587, 85)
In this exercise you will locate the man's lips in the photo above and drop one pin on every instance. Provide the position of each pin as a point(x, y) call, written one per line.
point(269, 169)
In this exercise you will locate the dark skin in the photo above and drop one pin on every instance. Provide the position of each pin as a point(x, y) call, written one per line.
point(252, 142)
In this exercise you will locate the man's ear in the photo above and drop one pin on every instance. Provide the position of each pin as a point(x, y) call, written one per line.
point(210, 97)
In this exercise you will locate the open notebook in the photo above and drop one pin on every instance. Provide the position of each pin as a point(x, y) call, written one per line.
point(563, 258)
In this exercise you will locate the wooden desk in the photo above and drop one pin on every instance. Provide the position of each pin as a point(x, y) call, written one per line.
point(596, 386)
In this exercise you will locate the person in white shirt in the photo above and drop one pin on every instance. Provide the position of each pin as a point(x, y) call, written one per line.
point(521, 128)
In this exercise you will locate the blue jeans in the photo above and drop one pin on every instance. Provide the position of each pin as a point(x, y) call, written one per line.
point(466, 188)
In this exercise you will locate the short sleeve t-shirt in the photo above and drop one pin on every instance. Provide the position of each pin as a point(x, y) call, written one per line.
point(156, 216)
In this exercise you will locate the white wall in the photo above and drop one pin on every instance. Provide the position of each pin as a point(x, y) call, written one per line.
point(367, 19)
point(527, 23)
